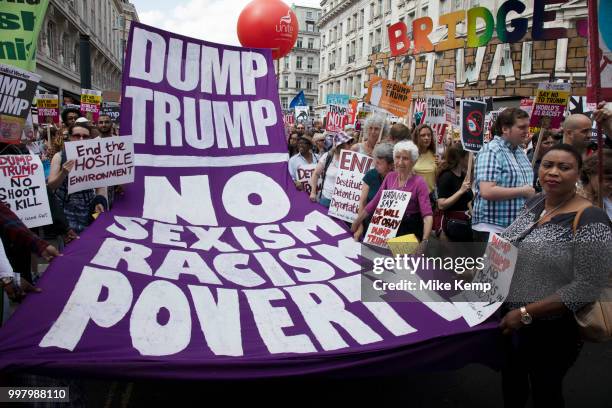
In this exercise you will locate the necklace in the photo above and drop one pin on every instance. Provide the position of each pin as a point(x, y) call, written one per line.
point(399, 180)
point(554, 210)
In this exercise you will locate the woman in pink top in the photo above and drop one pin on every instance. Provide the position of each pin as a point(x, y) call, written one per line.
point(418, 217)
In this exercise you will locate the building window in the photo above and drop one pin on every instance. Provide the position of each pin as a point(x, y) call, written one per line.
point(361, 18)
point(298, 62)
point(360, 47)
point(323, 44)
point(309, 14)
point(286, 62)
point(298, 83)
point(309, 84)
point(371, 11)
point(310, 63)
point(379, 8)
point(425, 11)
point(75, 58)
point(298, 43)
point(51, 42)
point(311, 43)
point(286, 81)
point(388, 6)
point(285, 102)
point(310, 27)
point(66, 49)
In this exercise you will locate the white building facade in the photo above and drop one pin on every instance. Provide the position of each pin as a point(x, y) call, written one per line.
point(58, 53)
point(355, 45)
point(299, 70)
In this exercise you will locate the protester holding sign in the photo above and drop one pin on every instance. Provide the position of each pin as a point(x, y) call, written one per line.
point(562, 241)
point(302, 165)
point(372, 180)
point(503, 176)
point(455, 194)
point(327, 169)
point(374, 129)
point(425, 166)
point(417, 218)
point(78, 206)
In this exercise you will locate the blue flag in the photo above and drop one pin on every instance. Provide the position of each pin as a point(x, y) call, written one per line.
point(299, 100)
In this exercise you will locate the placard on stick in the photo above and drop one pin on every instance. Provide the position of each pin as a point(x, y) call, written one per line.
point(344, 203)
point(17, 89)
point(387, 217)
point(550, 103)
point(100, 162)
point(23, 189)
point(472, 114)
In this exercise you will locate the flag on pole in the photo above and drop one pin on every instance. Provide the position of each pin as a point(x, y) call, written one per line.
point(299, 100)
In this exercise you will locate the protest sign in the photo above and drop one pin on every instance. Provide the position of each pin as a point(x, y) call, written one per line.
point(19, 30)
point(435, 116)
point(352, 111)
point(387, 217)
point(100, 162)
point(17, 89)
point(347, 189)
point(449, 102)
point(304, 173)
point(550, 103)
point(302, 114)
point(289, 119)
point(419, 106)
point(337, 99)
point(526, 104)
point(48, 109)
point(212, 265)
point(390, 96)
point(112, 110)
point(23, 189)
point(500, 262)
point(90, 104)
point(336, 118)
point(472, 114)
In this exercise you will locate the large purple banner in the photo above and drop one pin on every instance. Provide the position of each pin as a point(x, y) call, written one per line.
point(213, 265)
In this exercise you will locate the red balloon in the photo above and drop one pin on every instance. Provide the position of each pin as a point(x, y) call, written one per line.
point(268, 24)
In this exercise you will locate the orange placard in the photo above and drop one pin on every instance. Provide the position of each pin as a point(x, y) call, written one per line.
point(390, 96)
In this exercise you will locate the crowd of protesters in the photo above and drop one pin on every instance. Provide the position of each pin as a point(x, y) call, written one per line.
point(543, 202)
point(71, 213)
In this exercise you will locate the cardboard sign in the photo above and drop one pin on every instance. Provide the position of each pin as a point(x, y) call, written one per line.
point(472, 114)
point(449, 101)
point(435, 116)
point(302, 114)
point(336, 118)
point(500, 262)
point(352, 111)
point(304, 173)
point(23, 189)
point(48, 108)
point(419, 106)
point(17, 89)
point(113, 110)
point(390, 96)
point(550, 103)
point(387, 217)
point(100, 162)
point(337, 99)
point(526, 104)
point(347, 189)
point(90, 104)
point(19, 30)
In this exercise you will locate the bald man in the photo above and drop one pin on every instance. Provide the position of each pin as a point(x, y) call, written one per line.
point(577, 130)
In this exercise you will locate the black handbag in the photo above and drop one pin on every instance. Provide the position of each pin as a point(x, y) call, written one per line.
point(459, 230)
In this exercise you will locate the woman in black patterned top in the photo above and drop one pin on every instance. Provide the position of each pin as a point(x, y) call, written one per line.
point(562, 266)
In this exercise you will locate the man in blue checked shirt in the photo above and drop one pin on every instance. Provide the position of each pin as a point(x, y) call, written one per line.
point(503, 176)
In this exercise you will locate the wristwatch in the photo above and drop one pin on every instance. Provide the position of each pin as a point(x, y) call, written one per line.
point(526, 318)
point(7, 280)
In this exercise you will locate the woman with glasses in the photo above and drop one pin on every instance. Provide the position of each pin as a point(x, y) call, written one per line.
point(77, 206)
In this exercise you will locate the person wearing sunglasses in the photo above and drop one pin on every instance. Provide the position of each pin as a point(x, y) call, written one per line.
point(77, 206)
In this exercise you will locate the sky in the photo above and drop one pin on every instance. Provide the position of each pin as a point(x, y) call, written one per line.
point(210, 20)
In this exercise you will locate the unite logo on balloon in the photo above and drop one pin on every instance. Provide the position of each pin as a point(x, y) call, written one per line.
point(284, 26)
